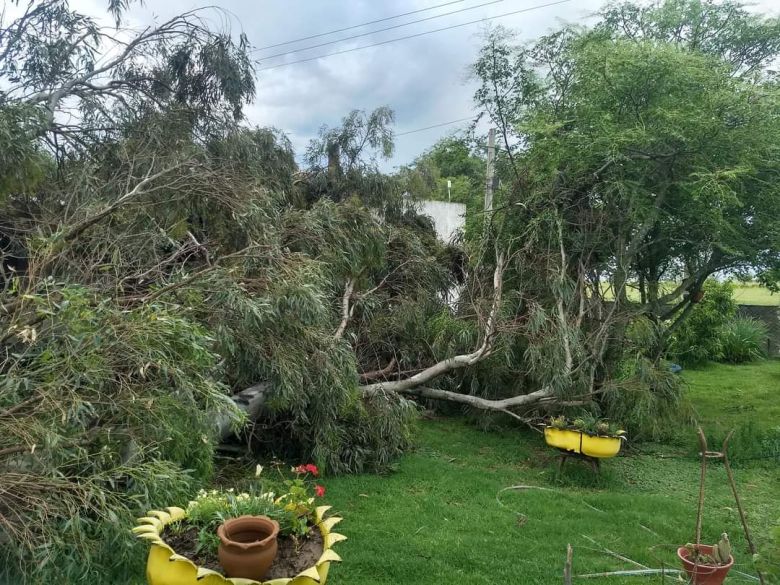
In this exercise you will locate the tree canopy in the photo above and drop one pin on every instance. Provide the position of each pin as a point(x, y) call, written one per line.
point(158, 254)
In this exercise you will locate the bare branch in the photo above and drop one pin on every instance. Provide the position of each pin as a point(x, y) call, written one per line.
point(503, 405)
point(139, 189)
point(375, 374)
point(346, 311)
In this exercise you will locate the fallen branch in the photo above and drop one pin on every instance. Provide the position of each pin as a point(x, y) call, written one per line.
point(74, 232)
point(407, 385)
point(189, 279)
point(15, 450)
point(375, 374)
point(614, 554)
point(521, 518)
point(502, 405)
point(346, 311)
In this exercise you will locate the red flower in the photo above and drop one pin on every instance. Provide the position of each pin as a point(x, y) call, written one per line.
point(311, 468)
point(319, 490)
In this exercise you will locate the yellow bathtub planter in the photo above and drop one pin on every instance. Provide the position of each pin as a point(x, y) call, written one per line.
point(579, 442)
point(165, 567)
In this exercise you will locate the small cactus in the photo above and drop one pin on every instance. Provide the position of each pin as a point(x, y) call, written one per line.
point(559, 422)
point(720, 555)
point(721, 552)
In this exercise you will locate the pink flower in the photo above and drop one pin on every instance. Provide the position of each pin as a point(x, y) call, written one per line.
point(319, 490)
point(311, 468)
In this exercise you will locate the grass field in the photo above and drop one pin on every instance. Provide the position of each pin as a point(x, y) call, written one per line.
point(442, 517)
point(730, 396)
point(744, 294)
point(753, 294)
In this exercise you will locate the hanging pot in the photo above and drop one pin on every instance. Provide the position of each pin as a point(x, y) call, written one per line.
point(701, 574)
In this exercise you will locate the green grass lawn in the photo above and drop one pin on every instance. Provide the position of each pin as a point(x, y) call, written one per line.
point(730, 396)
point(441, 517)
point(754, 294)
point(744, 293)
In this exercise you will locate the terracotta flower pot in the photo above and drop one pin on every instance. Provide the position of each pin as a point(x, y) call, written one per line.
point(247, 546)
point(701, 574)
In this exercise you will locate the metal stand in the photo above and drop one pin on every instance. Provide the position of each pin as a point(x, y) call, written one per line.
point(722, 454)
point(594, 462)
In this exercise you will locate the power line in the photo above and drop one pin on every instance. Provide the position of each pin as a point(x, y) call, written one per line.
point(414, 35)
point(434, 126)
point(330, 32)
point(379, 30)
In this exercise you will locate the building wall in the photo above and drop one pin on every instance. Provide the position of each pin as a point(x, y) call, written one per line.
point(447, 217)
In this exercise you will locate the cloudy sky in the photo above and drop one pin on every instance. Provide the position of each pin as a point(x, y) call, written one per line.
point(424, 79)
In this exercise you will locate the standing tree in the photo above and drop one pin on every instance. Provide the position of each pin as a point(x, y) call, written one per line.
point(642, 151)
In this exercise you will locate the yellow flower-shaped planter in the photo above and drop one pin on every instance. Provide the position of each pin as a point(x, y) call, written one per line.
point(165, 567)
point(579, 442)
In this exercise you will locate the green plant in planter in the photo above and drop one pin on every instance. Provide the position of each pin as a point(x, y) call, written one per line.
point(298, 497)
point(589, 424)
point(291, 502)
point(559, 422)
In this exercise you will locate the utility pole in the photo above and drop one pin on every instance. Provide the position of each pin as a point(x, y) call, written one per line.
point(491, 157)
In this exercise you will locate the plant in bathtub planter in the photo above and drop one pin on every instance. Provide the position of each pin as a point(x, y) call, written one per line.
point(586, 435)
point(230, 538)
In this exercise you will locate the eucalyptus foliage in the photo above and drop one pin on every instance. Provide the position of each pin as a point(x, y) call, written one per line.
point(158, 257)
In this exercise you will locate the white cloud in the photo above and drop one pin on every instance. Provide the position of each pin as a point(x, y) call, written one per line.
point(422, 79)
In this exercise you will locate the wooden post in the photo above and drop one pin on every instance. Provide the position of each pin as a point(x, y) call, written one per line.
point(702, 477)
point(490, 171)
point(733, 484)
point(567, 566)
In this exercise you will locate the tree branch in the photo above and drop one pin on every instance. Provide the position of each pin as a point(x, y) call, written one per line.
point(346, 311)
point(74, 232)
point(502, 405)
point(374, 374)
point(455, 362)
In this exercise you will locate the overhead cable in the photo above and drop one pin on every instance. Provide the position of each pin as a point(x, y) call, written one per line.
point(379, 30)
point(338, 30)
point(413, 36)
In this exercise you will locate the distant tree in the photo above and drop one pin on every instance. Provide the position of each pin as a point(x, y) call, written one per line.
point(343, 160)
point(450, 159)
point(454, 157)
point(57, 79)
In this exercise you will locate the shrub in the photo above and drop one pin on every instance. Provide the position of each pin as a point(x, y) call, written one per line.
point(743, 339)
point(104, 412)
point(697, 340)
point(645, 397)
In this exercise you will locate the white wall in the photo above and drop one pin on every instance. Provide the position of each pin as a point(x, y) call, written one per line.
point(447, 217)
